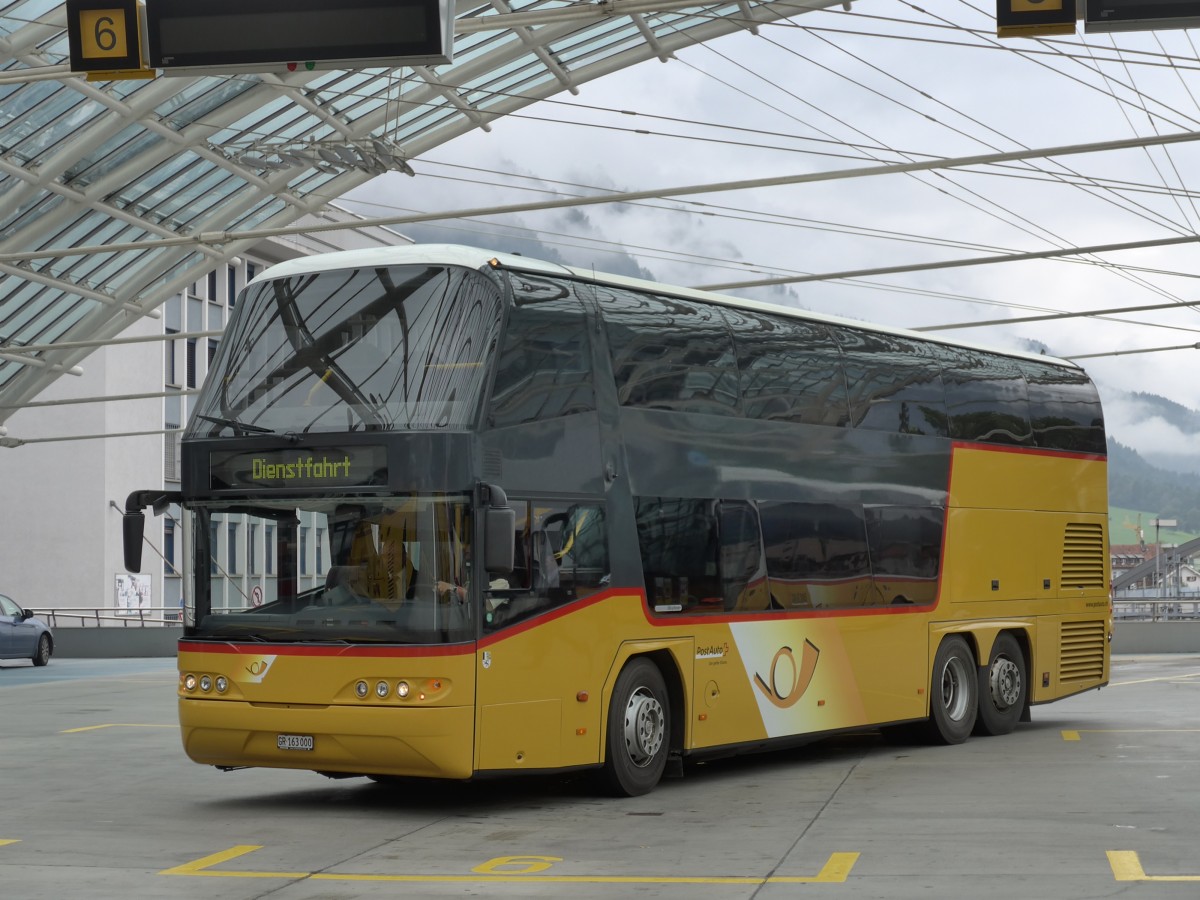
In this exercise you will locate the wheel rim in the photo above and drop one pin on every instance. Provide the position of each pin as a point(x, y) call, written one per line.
point(1005, 682)
point(956, 696)
point(43, 649)
point(645, 727)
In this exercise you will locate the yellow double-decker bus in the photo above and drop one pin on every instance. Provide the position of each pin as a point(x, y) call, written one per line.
point(455, 514)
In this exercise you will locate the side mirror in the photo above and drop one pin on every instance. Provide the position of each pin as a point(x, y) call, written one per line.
point(27, 614)
point(133, 528)
point(500, 532)
point(500, 537)
point(133, 521)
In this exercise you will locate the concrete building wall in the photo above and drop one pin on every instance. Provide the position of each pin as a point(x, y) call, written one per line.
point(60, 539)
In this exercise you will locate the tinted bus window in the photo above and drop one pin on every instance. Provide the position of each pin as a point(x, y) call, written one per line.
point(895, 384)
point(906, 547)
point(791, 371)
point(816, 554)
point(986, 397)
point(743, 569)
point(1064, 409)
point(544, 367)
point(669, 353)
point(678, 542)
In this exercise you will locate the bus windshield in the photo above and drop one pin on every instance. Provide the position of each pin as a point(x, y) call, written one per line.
point(395, 347)
point(390, 570)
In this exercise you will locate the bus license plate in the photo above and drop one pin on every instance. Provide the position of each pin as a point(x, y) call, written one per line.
point(294, 741)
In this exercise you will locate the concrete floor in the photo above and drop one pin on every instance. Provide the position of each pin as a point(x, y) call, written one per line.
point(1099, 796)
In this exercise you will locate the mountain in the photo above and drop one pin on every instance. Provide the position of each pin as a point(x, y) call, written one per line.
point(1135, 483)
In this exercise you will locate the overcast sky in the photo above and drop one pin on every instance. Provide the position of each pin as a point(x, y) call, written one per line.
point(882, 83)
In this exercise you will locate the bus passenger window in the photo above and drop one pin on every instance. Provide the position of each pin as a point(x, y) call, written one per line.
point(790, 371)
point(1064, 408)
point(544, 367)
point(895, 383)
point(743, 568)
point(906, 547)
point(670, 353)
point(986, 397)
point(679, 548)
point(817, 555)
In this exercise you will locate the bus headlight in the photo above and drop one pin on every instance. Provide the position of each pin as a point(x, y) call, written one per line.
point(361, 690)
point(382, 689)
point(222, 684)
point(402, 690)
point(189, 682)
point(205, 683)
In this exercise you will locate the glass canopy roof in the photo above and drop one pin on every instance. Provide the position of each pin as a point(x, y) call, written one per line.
point(99, 180)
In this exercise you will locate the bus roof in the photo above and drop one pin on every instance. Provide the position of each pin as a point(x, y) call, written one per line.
point(476, 258)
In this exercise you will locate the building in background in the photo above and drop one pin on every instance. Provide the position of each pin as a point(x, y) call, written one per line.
point(65, 489)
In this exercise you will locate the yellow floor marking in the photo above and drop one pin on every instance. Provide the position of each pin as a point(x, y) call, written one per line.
point(114, 725)
point(201, 866)
point(835, 871)
point(1126, 866)
point(4, 842)
point(1151, 680)
point(1074, 735)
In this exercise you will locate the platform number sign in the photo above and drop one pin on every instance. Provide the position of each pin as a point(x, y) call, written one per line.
point(103, 35)
point(1035, 18)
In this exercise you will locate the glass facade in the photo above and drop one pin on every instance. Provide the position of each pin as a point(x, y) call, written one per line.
point(218, 167)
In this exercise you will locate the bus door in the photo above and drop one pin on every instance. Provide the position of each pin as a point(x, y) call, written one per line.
point(542, 647)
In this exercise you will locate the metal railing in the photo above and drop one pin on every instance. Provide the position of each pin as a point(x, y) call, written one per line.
point(1130, 609)
point(102, 617)
point(1158, 609)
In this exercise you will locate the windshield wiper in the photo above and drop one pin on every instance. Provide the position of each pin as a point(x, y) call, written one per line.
point(241, 429)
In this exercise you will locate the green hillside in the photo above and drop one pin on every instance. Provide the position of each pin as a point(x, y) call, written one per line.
point(1123, 523)
point(1135, 487)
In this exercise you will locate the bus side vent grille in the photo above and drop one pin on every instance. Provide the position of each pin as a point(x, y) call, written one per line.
point(1083, 557)
point(493, 465)
point(1081, 651)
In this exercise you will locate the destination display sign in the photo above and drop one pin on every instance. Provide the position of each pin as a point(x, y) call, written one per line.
point(291, 468)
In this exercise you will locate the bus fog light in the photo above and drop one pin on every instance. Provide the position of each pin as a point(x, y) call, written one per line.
point(189, 682)
point(222, 684)
point(205, 683)
point(402, 690)
point(382, 689)
point(361, 689)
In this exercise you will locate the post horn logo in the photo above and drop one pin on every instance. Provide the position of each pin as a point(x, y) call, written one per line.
point(257, 668)
point(796, 678)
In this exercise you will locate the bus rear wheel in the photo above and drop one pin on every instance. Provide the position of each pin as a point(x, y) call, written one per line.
point(954, 692)
point(1003, 687)
point(639, 730)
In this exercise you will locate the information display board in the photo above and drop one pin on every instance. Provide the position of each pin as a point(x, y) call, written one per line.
point(269, 35)
point(1140, 15)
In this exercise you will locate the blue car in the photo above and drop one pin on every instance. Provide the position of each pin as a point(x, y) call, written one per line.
point(23, 635)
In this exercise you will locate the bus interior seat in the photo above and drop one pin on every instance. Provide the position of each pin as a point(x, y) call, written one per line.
point(344, 585)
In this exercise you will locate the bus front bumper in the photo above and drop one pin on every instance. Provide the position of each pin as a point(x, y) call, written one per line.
point(434, 742)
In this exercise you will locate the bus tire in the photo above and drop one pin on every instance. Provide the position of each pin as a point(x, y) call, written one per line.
point(1003, 687)
point(954, 692)
point(639, 730)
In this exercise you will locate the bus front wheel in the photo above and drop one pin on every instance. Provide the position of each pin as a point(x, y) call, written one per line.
point(639, 718)
point(954, 692)
point(1003, 687)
